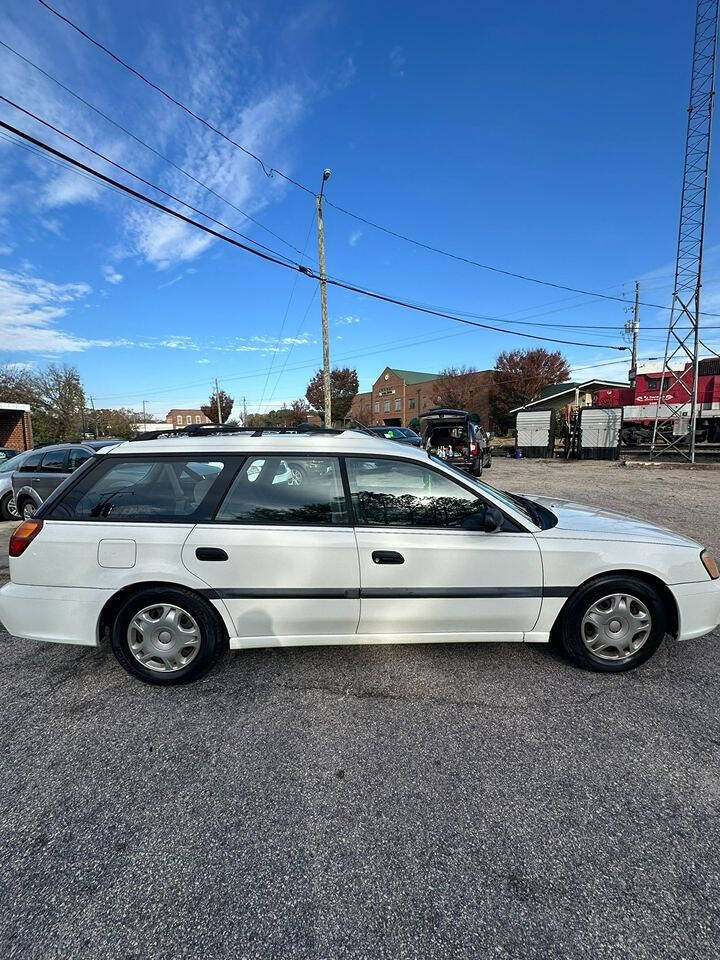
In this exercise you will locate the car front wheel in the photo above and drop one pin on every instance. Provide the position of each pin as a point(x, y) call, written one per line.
point(613, 624)
point(26, 509)
point(167, 635)
point(8, 510)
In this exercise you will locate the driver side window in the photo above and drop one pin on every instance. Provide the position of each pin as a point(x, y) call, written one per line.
point(400, 494)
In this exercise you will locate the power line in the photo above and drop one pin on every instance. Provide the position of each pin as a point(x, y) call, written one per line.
point(137, 176)
point(285, 262)
point(268, 171)
point(147, 146)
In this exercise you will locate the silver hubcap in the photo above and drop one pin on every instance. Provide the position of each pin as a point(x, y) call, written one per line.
point(164, 638)
point(28, 511)
point(615, 627)
point(12, 507)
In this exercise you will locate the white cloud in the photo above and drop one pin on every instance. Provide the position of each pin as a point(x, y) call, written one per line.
point(355, 237)
point(30, 308)
point(6, 249)
point(111, 275)
point(204, 360)
point(347, 320)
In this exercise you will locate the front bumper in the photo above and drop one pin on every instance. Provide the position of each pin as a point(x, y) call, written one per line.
point(698, 607)
point(55, 614)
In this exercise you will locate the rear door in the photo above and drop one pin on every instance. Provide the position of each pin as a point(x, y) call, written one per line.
point(281, 552)
point(424, 570)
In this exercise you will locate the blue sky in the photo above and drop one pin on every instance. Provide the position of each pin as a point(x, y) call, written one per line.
point(546, 139)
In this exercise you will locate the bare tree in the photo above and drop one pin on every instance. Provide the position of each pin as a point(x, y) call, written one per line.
point(465, 388)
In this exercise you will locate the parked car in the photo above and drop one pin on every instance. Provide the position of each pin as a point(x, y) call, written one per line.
point(7, 453)
point(400, 434)
point(453, 436)
point(8, 511)
point(175, 549)
point(45, 468)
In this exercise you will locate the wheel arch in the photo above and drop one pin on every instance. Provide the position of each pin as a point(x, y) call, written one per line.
point(657, 584)
point(115, 602)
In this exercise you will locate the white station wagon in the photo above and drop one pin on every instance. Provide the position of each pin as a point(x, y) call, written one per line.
point(178, 547)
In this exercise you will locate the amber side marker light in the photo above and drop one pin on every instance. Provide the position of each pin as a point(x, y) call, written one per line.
point(23, 536)
point(710, 564)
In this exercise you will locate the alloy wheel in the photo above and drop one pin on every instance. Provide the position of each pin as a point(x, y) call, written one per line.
point(616, 626)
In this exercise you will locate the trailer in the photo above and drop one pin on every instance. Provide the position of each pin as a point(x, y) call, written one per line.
point(535, 433)
point(598, 433)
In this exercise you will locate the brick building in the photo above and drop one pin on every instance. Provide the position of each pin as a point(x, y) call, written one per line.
point(180, 417)
point(15, 426)
point(399, 396)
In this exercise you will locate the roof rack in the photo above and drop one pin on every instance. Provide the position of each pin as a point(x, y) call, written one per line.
point(213, 430)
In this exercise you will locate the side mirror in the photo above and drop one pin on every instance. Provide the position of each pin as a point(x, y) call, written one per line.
point(493, 519)
point(488, 520)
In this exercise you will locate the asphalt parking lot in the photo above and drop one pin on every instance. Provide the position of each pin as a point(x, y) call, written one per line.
point(379, 802)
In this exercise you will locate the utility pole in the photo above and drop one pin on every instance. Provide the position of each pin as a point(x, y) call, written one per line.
point(144, 416)
point(217, 398)
point(92, 404)
point(323, 301)
point(244, 411)
point(634, 328)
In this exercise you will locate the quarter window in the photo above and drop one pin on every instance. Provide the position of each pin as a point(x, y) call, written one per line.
point(274, 490)
point(400, 494)
point(169, 489)
point(77, 457)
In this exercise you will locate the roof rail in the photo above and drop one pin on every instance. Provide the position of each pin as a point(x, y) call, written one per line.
point(213, 430)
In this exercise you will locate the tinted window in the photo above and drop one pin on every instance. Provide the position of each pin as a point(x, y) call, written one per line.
point(177, 488)
point(77, 457)
point(54, 461)
point(31, 463)
point(301, 490)
point(399, 494)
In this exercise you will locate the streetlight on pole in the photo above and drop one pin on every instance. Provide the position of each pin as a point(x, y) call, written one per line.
point(323, 301)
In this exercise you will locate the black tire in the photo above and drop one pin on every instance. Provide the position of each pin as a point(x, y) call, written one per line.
point(569, 631)
point(26, 508)
point(488, 462)
point(5, 511)
point(213, 641)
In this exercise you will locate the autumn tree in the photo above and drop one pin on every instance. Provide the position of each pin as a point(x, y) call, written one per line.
point(464, 388)
point(520, 375)
point(59, 408)
point(343, 387)
point(210, 409)
point(113, 422)
point(18, 384)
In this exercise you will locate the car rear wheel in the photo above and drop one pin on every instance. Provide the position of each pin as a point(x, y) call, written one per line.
point(167, 635)
point(8, 509)
point(613, 624)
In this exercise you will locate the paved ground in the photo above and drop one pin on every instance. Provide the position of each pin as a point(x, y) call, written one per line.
point(434, 802)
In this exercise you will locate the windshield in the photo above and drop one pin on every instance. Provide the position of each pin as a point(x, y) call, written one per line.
point(515, 503)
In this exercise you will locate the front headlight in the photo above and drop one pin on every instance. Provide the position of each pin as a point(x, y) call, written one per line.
point(710, 564)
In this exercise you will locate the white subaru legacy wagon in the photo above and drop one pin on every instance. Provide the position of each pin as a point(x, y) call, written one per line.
point(176, 548)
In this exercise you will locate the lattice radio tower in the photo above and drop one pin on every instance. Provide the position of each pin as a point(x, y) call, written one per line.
point(683, 339)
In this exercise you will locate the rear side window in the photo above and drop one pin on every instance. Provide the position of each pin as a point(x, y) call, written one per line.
point(145, 489)
point(31, 463)
point(54, 461)
point(297, 490)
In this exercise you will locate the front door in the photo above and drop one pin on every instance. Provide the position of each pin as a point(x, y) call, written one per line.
point(281, 553)
point(426, 571)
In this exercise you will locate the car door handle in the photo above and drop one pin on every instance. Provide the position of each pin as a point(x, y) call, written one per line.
point(210, 553)
point(387, 556)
